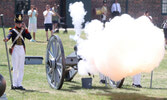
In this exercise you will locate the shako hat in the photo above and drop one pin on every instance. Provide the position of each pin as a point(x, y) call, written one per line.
point(18, 18)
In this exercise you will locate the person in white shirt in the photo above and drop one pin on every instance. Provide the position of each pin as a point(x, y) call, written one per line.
point(115, 9)
point(32, 24)
point(48, 20)
point(148, 15)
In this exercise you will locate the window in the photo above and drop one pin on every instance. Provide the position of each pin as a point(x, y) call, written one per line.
point(164, 6)
point(22, 6)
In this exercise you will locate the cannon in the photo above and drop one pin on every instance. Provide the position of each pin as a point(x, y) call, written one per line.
point(2, 85)
point(60, 68)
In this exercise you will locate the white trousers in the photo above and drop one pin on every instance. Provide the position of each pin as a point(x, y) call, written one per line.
point(18, 58)
point(104, 17)
point(102, 77)
point(32, 27)
point(136, 79)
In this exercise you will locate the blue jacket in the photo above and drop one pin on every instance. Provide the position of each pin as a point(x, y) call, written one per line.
point(25, 34)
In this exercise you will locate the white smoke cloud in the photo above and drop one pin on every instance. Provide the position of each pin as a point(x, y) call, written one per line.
point(77, 12)
point(92, 29)
point(125, 47)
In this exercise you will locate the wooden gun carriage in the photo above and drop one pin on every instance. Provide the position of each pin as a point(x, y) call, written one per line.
point(60, 68)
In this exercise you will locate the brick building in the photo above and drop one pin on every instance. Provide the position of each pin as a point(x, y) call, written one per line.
point(136, 8)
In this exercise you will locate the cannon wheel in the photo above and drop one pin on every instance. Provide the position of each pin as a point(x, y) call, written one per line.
point(55, 62)
point(116, 84)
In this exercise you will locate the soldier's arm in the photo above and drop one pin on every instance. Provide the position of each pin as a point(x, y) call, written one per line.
point(8, 36)
point(27, 34)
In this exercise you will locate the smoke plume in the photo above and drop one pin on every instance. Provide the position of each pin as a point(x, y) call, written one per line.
point(77, 12)
point(125, 47)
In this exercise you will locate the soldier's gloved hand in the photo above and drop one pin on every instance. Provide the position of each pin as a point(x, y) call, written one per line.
point(5, 40)
point(24, 25)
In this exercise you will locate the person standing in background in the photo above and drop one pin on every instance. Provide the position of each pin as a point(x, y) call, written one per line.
point(32, 24)
point(137, 77)
point(104, 11)
point(136, 81)
point(48, 20)
point(55, 19)
point(115, 9)
point(148, 15)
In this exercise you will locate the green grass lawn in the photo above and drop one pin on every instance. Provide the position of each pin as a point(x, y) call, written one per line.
point(38, 88)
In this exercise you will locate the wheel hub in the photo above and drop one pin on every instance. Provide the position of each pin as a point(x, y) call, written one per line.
point(53, 63)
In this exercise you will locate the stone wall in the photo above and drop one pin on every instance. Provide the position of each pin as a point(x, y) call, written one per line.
point(7, 9)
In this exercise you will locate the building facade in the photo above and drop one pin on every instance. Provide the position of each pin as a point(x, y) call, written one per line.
point(135, 8)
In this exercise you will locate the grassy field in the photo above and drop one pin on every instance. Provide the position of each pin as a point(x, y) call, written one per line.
point(38, 89)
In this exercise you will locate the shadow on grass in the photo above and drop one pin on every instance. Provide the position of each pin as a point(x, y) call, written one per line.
point(108, 88)
point(156, 88)
point(3, 65)
point(42, 41)
point(72, 86)
point(71, 82)
point(128, 96)
point(124, 86)
point(26, 91)
point(129, 87)
point(69, 90)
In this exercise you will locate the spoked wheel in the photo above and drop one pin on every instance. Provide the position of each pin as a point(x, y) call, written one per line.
point(116, 84)
point(55, 62)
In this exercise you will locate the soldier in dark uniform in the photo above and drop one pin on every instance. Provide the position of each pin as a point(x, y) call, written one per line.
point(18, 34)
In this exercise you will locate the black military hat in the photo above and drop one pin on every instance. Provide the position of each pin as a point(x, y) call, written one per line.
point(18, 18)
